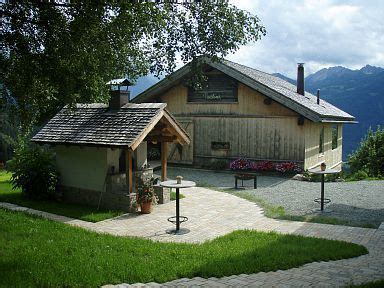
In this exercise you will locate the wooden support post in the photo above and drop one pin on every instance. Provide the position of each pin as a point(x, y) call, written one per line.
point(128, 164)
point(164, 155)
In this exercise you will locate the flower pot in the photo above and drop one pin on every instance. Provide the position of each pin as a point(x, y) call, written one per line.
point(146, 207)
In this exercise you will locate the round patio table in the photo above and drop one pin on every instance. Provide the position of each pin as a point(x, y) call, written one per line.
point(177, 219)
point(322, 200)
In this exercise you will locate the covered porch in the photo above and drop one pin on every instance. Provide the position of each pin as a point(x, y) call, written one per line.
point(131, 162)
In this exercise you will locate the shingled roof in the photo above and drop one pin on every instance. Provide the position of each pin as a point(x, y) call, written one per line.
point(96, 125)
point(271, 86)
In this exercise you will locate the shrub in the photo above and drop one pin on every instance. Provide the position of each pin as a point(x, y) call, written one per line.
point(359, 175)
point(33, 170)
point(369, 156)
point(311, 177)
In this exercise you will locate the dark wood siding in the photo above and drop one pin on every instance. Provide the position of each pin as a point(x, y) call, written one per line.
point(219, 88)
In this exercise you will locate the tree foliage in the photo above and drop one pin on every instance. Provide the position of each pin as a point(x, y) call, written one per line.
point(58, 52)
point(368, 159)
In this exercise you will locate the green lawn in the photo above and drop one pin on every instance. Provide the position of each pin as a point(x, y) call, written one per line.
point(83, 212)
point(374, 284)
point(173, 196)
point(41, 253)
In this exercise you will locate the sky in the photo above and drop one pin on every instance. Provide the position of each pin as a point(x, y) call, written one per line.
point(320, 33)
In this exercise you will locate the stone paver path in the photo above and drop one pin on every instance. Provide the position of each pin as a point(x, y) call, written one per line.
point(212, 214)
point(359, 202)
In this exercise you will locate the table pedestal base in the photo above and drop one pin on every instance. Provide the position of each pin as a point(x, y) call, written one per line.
point(181, 231)
point(324, 211)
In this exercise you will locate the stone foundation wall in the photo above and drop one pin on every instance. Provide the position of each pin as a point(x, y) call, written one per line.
point(164, 194)
point(109, 200)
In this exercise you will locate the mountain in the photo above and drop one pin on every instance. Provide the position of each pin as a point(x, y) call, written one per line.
point(358, 92)
point(142, 84)
point(281, 76)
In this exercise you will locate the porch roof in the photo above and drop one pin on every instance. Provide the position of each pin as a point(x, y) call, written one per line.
point(95, 125)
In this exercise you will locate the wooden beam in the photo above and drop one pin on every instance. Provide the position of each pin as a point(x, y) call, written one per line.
point(182, 135)
point(160, 133)
point(128, 166)
point(164, 155)
point(160, 138)
point(148, 129)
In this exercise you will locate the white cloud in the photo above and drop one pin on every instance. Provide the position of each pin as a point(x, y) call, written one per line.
point(321, 33)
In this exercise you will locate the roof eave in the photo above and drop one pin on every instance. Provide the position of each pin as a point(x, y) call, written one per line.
point(339, 120)
point(81, 144)
point(162, 85)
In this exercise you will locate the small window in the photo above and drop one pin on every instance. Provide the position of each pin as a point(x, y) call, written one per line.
point(335, 136)
point(321, 140)
point(219, 145)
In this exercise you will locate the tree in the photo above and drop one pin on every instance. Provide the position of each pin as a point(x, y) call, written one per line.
point(369, 156)
point(57, 52)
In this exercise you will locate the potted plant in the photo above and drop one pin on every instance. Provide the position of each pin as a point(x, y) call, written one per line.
point(146, 195)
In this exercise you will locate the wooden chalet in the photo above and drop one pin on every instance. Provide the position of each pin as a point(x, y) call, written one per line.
point(243, 112)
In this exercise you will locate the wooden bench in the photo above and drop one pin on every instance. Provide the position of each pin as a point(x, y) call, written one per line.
point(246, 176)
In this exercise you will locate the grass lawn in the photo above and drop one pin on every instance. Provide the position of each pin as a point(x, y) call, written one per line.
point(83, 212)
point(173, 196)
point(40, 253)
point(374, 284)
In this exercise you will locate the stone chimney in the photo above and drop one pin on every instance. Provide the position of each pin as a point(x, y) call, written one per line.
point(119, 93)
point(300, 78)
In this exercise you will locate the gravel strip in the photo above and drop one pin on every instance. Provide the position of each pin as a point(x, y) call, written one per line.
point(359, 202)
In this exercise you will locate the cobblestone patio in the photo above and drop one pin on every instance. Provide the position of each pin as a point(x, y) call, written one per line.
point(213, 213)
point(360, 203)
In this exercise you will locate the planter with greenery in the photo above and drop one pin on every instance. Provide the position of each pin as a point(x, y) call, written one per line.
point(146, 194)
point(243, 164)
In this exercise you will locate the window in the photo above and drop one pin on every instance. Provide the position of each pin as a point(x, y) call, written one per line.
point(321, 140)
point(219, 145)
point(335, 135)
point(218, 89)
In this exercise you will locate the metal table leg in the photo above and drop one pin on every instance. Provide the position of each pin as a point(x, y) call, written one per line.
point(177, 209)
point(322, 192)
point(177, 219)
